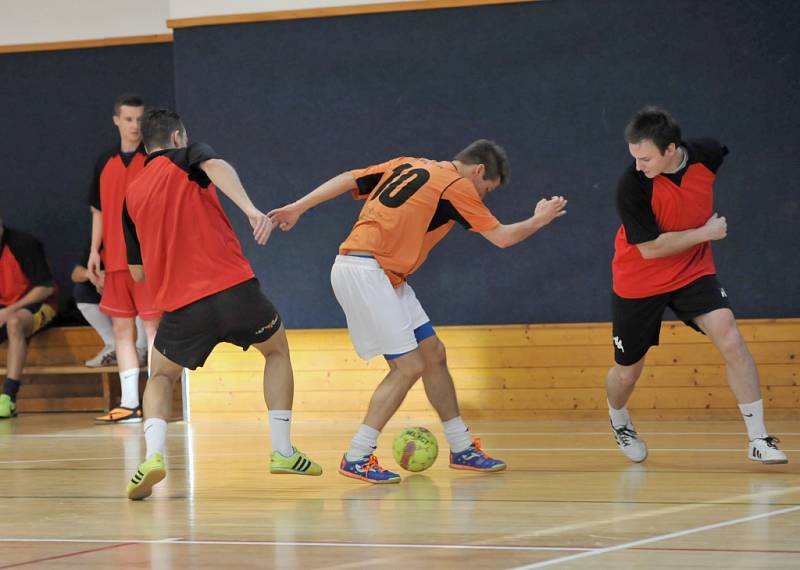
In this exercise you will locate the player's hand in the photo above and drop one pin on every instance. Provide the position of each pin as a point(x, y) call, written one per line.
point(93, 268)
point(716, 227)
point(262, 226)
point(285, 218)
point(100, 281)
point(549, 210)
point(4, 314)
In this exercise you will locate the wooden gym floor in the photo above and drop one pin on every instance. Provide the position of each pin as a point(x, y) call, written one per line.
point(568, 500)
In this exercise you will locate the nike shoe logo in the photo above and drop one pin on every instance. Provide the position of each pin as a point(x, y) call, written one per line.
point(748, 415)
point(283, 419)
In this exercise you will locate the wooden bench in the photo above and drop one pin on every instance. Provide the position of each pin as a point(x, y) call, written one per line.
point(58, 354)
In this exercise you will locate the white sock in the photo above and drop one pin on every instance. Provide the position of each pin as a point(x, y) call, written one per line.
point(364, 443)
point(457, 434)
point(155, 436)
point(753, 416)
point(129, 387)
point(141, 336)
point(100, 322)
point(280, 423)
point(619, 417)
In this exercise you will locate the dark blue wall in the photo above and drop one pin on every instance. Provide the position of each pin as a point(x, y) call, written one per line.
point(57, 108)
point(293, 103)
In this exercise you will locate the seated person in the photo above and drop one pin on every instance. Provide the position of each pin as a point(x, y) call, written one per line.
point(87, 298)
point(27, 303)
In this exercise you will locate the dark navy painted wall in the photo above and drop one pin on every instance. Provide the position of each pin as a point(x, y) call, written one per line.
point(57, 108)
point(293, 103)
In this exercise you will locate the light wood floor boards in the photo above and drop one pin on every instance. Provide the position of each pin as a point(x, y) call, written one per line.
point(568, 500)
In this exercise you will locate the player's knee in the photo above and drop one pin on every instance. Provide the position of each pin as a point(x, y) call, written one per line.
point(123, 329)
point(436, 355)
point(732, 345)
point(627, 375)
point(411, 367)
point(15, 326)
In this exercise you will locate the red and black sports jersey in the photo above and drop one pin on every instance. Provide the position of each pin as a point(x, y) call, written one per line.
point(667, 203)
point(113, 172)
point(411, 204)
point(23, 266)
point(175, 226)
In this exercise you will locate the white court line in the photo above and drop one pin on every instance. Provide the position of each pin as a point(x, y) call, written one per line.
point(627, 518)
point(319, 544)
point(659, 538)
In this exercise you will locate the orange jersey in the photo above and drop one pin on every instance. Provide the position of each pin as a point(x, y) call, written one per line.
point(411, 204)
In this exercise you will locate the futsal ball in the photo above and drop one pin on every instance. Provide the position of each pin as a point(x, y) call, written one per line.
point(415, 449)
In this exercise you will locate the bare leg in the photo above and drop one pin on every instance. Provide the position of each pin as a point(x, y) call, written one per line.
point(158, 392)
point(150, 329)
point(125, 340)
point(436, 377)
point(278, 375)
point(720, 326)
point(19, 327)
point(620, 382)
point(404, 371)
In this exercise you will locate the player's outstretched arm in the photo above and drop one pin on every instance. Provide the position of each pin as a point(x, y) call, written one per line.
point(286, 217)
point(224, 177)
point(506, 235)
point(670, 243)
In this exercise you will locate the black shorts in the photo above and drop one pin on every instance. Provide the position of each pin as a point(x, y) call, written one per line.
point(241, 315)
point(637, 322)
point(42, 315)
point(86, 292)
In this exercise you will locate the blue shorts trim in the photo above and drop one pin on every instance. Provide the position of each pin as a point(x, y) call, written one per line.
point(393, 356)
point(420, 333)
point(424, 331)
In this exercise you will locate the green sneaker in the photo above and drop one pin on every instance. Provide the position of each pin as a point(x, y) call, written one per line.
point(297, 463)
point(150, 472)
point(8, 409)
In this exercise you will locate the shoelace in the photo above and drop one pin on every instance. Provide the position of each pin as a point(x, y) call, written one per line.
point(771, 441)
point(476, 442)
point(372, 464)
point(625, 434)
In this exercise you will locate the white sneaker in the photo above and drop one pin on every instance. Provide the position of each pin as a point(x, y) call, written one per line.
point(630, 443)
point(106, 357)
point(765, 450)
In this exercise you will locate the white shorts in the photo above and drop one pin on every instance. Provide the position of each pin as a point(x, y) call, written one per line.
point(380, 318)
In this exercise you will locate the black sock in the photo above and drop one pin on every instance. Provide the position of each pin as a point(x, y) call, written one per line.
point(11, 387)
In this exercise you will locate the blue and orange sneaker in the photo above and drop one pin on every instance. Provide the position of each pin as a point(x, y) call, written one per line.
point(474, 458)
point(367, 469)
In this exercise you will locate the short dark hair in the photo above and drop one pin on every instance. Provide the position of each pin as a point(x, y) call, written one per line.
point(491, 155)
point(129, 100)
point(654, 124)
point(158, 126)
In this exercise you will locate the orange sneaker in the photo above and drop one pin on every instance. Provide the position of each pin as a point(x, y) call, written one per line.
point(121, 415)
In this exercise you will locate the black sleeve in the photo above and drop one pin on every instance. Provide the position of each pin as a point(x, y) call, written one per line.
point(196, 154)
point(367, 183)
point(94, 189)
point(30, 255)
point(132, 245)
point(635, 210)
point(709, 152)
